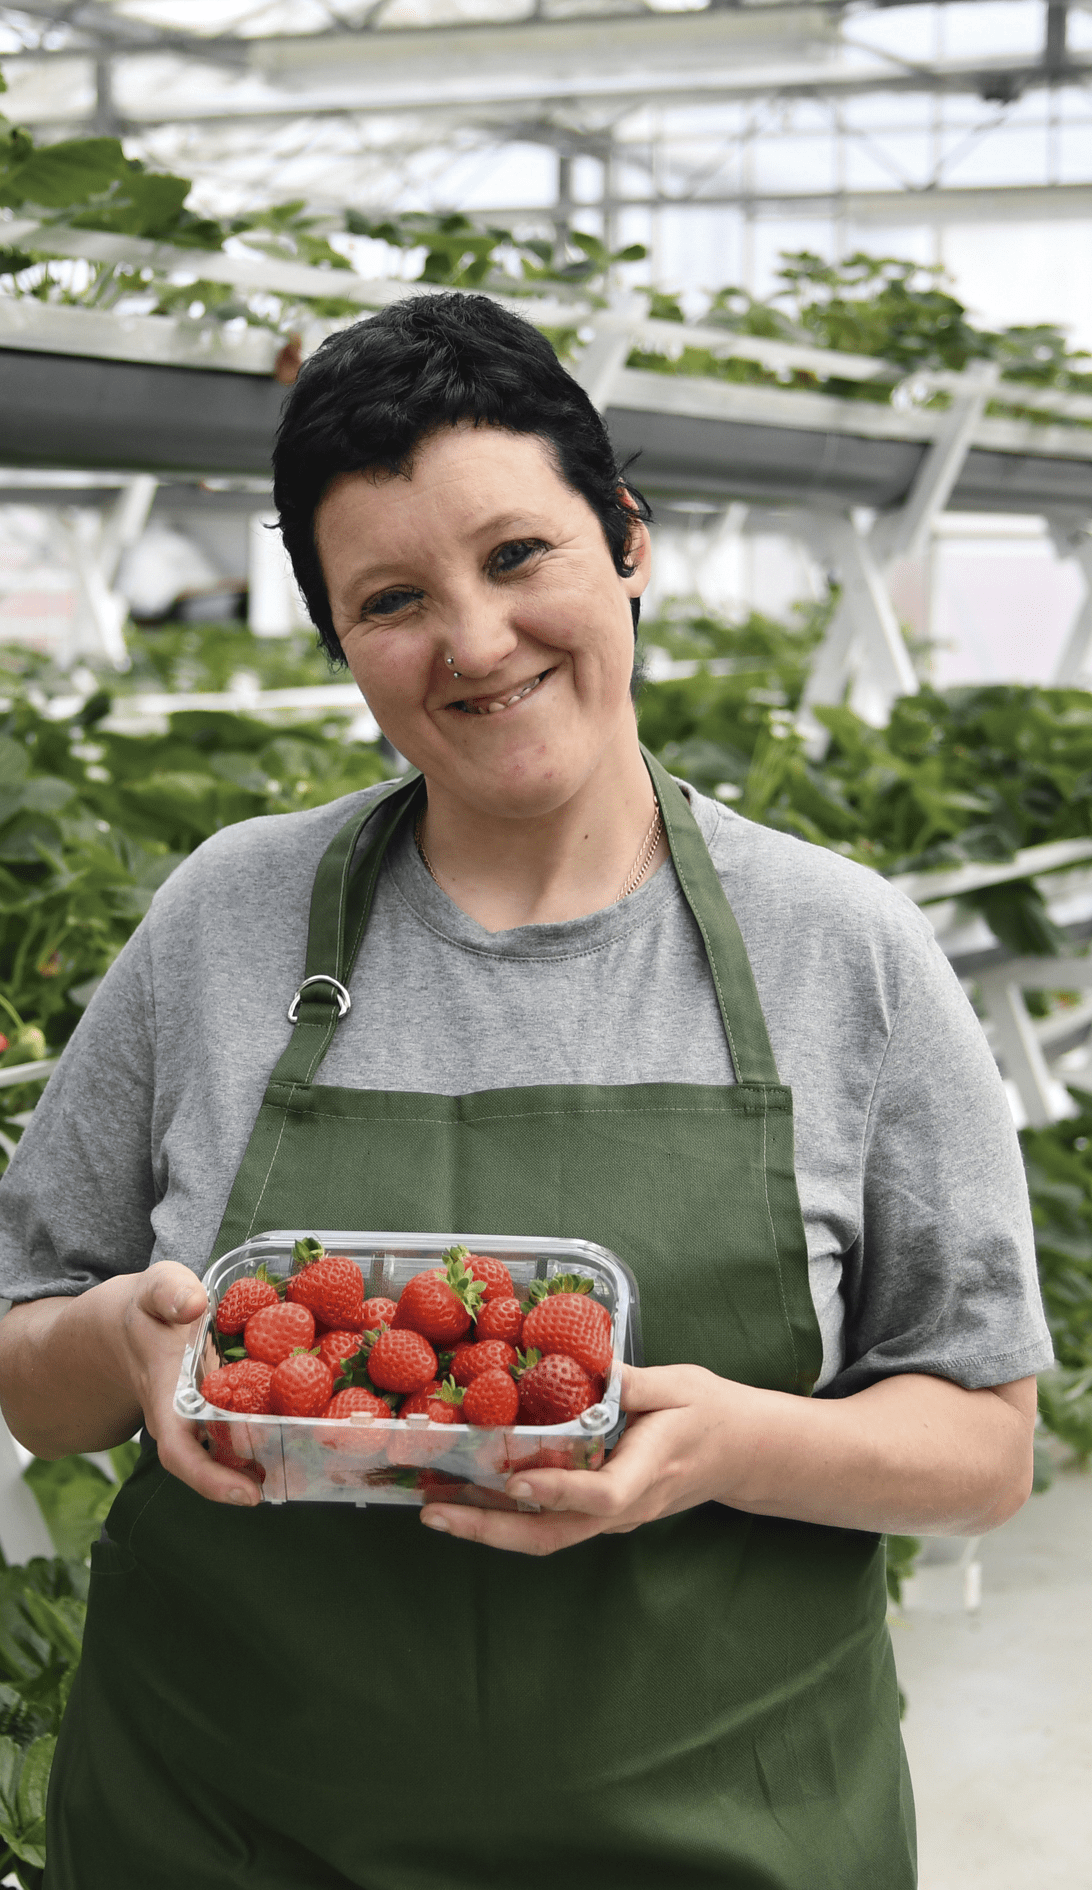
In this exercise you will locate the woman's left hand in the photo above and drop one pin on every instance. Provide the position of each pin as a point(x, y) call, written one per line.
point(675, 1453)
point(911, 1455)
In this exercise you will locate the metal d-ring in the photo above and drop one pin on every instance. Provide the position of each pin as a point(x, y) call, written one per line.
point(344, 1001)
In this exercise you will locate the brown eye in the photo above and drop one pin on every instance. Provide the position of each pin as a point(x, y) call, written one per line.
point(388, 603)
point(511, 556)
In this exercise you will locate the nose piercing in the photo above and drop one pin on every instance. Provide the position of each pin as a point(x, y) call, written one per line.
point(449, 660)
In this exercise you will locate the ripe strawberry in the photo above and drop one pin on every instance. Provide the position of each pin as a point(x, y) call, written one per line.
point(302, 1386)
point(378, 1312)
point(344, 1403)
point(401, 1361)
point(275, 1331)
point(332, 1289)
point(471, 1360)
point(242, 1387)
point(575, 1325)
point(500, 1319)
point(242, 1298)
point(554, 1391)
point(492, 1399)
point(493, 1274)
point(337, 1347)
point(222, 1453)
point(443, 1404)
point(440, 1304)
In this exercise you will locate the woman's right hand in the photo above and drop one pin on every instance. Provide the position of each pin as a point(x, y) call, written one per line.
point(158, 1322)
point(83, 1373)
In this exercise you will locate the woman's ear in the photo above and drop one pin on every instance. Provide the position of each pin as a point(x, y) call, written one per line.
point(638, 550)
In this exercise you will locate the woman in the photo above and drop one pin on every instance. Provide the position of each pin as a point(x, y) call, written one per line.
point(679, 1673)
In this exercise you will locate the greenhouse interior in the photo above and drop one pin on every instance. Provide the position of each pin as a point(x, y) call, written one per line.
point(824, 269)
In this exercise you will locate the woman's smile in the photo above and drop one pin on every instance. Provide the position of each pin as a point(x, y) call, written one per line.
point(502, 700)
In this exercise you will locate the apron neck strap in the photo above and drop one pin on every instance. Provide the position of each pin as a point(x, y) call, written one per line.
point(342, 899)
point(733, 979)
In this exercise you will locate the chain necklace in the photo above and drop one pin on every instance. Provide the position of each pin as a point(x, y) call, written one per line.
point(645, 854)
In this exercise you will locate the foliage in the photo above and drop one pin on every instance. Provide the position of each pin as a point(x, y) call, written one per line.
point(42, 1606)
point(92, 821)
point(896, 310)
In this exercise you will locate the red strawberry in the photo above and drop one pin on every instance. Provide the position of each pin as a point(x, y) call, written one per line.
point(275, 1331)
point(575, 1325)
point(222, 1453)
point(554, 1391)
point(250, 1380)
point(471, 1360)
point(492, 1399)
point(401, 1361)
point(441, 1403)
point(242, 1387)
point(378, 1312)
point(302, 1386)
point(332, 1289)
point(335, 1347)
point(500, 1319)
point(493, 1274)
point(440, 1304)
point(242, 1298)
point(344, 1403)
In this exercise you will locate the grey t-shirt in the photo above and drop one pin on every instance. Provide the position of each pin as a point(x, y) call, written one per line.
point(919, 1236)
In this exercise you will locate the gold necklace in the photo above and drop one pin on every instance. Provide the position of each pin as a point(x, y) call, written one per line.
point(645, 854)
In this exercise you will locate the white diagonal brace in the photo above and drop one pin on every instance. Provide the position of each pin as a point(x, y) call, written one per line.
point(904, 533)
point(1073, 665)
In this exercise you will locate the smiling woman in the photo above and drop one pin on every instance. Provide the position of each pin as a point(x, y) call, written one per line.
point(586, 1002)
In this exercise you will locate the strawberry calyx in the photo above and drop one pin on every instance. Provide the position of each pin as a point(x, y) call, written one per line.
point(561, 1283)
point(305, 1252)
point(525, 1361)
point(470, 1291)
point(449, 1392)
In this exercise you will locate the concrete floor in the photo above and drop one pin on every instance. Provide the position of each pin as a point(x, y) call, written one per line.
point(998, 1725)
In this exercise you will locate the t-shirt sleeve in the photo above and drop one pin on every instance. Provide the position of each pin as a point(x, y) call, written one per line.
point(77, 1198)
point(942, 1278)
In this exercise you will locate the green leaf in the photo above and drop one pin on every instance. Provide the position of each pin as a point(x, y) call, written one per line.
point(74, 1497)
point(70, 172)
point(14, 763)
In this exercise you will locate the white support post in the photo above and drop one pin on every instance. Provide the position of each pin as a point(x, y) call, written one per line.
point(1018, 1044)
point(903, 533)
point(94, 547)
point(608, 350)
point(1073, 664)
point(864, 649)
point(863, 646)
point(1018, 1048)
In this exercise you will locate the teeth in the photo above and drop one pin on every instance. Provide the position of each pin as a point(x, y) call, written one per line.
point(496, 707)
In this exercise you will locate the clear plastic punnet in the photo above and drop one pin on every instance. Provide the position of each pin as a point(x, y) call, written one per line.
point(363, 1460)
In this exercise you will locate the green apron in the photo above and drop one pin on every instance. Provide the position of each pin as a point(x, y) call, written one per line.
point(320, 1696)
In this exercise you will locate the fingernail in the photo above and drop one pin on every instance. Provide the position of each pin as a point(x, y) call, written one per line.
point(239, 1496)
point(521, 1491)
point(432, 1521)
point(182, 1299)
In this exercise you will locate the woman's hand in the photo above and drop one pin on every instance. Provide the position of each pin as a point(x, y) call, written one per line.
point(158, 1322)
point(911, 1455)
point(83, 1373)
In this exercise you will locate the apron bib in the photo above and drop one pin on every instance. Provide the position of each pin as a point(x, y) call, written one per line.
point(322, 1697)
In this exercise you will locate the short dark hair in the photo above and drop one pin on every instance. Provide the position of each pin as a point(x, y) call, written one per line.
point(368, 396)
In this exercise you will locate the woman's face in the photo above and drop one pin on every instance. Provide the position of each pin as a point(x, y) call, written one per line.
point(485, 555)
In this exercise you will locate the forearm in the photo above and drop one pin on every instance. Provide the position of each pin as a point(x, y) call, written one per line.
point(912, 1455)
point(64, 1380)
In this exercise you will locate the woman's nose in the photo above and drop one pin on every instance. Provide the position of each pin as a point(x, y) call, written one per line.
point(478, 635)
